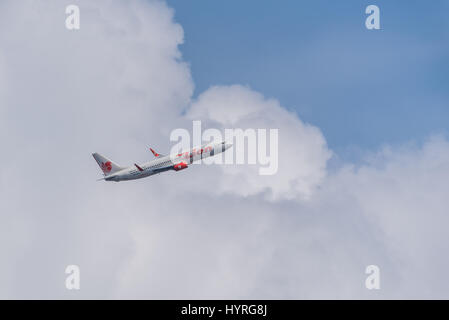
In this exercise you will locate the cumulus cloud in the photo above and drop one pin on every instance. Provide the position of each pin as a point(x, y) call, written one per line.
point(302, 150)
point(114, 86)
point(118, 84)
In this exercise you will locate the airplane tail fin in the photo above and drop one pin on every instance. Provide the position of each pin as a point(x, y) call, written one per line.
point(107, 166)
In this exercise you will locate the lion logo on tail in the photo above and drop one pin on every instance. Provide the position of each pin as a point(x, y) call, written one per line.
point(106, 166)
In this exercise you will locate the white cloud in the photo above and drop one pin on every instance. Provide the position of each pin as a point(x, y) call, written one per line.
point(302, 148)
point(118, 84)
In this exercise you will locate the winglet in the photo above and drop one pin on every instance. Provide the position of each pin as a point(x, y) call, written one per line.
point(138, 167)
point(155, 153)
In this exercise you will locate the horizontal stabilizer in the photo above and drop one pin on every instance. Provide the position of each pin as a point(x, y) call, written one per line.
point(157, 155)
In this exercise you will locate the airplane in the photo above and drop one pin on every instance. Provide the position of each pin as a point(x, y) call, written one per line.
point(176, 162)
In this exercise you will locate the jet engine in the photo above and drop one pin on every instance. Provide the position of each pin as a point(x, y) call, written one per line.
point(180, 166)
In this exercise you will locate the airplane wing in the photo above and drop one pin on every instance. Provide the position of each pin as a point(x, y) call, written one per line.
point(178, 165)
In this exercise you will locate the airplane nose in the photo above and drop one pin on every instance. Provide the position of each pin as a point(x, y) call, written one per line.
point(228, 145)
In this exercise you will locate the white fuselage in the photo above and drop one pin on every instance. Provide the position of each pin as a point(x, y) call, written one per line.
point(165, 163)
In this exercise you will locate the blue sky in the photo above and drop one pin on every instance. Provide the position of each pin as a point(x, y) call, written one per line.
point(363, 88)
